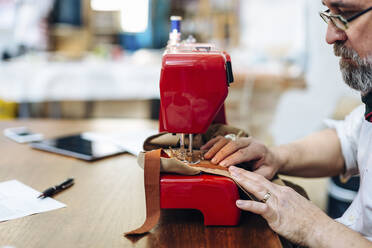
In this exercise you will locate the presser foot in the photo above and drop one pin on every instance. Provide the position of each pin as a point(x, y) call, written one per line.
point(193, 157)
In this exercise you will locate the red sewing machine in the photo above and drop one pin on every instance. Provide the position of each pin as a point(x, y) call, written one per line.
point(193, 87)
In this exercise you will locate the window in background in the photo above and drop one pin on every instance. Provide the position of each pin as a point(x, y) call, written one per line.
point(275, 30)
point(132, 20)
point(134, 15)
point(106, 5)
point(144, 24)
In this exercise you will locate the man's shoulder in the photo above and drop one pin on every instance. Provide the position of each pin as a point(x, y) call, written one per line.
point(356, 114)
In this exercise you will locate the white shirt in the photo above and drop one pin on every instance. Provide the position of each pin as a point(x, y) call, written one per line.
point(355, 134)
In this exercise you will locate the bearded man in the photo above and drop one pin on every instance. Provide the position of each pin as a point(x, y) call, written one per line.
point(345, 148)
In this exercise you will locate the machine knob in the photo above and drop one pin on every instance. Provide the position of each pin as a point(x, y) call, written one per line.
point(229, 73)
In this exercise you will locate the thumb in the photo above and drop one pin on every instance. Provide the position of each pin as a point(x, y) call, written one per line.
point(266, 171)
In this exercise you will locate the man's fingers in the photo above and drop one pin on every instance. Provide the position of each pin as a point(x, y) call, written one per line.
point(252, 182)
point(260, 208)
point(215, 148)
point(210, 143)
point(242, 155)
point(259, 187)
point(257, 190)
point(230, 148)
point(233, 159)
point(253, 206)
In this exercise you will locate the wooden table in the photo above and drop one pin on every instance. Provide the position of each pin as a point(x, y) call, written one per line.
point(106, 200)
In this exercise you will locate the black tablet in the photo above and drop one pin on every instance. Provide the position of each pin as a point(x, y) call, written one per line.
point(81, 146)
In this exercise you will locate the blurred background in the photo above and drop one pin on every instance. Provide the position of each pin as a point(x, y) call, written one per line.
point(79, 59)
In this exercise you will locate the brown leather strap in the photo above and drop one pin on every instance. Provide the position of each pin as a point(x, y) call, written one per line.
point(152, 192)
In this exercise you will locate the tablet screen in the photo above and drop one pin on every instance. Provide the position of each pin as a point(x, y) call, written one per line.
point(80, 146)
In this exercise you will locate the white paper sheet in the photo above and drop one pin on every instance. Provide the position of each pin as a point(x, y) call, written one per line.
point(131, 141)
point(19, 200)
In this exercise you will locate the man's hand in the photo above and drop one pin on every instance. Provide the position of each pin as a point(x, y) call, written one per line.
point(292, 216)
point(287, 213)
point(226, 152)
point(317, 155)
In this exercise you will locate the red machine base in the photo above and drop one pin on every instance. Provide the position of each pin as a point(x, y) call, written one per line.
point(214, 196)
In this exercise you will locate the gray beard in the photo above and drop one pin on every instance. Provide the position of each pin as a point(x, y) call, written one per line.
point(356, 73)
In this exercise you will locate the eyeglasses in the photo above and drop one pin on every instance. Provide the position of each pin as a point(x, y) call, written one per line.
point(338, 20)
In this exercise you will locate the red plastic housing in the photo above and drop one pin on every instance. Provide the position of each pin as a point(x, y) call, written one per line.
point(214, 196)
point(193, 88)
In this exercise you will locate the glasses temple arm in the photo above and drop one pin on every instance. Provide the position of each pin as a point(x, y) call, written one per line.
point(359, 14)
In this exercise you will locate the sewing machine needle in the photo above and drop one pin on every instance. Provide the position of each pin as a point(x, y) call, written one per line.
point(190, 144)
point(182, 141)
point(182, 144)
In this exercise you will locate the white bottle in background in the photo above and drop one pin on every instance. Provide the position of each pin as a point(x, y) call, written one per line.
point(175, 31)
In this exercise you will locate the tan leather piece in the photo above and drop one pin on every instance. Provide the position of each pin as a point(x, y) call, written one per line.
point(160, 140)
point(173, 165)
point(221, 130)
point(170, 165)
point(152, 192)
